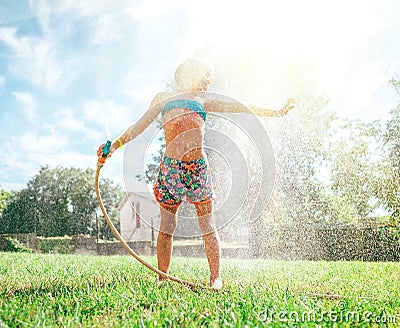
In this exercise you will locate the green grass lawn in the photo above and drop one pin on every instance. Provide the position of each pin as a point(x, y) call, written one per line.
point(88, 291)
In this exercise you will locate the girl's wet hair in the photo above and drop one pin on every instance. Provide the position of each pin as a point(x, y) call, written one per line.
point(192, 73)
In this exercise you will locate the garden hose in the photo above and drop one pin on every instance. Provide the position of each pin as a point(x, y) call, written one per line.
point(164, 275)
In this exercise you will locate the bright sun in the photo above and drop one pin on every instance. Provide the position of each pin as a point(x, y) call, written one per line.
point(266, 35)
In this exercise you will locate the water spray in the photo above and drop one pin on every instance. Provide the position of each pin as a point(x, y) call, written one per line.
point(106, 152)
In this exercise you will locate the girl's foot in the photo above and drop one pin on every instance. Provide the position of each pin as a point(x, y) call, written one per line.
point(216, 284)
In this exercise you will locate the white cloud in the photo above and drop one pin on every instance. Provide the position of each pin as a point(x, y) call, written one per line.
point(27, 152)
point(29, 103)
point(35, 60)
point(2, 81)
point(107, 29)
point(38, 145)
point(87, 8)
point(66, 120)
point(111, 118)
point(97, 41)
point(148, 10)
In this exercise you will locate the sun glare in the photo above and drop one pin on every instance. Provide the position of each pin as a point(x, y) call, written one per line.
point(263, 36)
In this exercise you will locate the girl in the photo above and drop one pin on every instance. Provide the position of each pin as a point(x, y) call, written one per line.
point(184, 170)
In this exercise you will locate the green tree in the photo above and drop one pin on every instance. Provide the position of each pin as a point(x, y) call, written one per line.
point(59, 202)
point(354, 164)
point(19, 215)
point(388, 191)
point(4, 199)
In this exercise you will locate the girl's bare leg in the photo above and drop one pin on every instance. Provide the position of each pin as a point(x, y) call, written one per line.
point(165, 236)
point(211, 241)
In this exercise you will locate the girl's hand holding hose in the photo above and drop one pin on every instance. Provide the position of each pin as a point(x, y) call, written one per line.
point(102, 154)
point(106, 150)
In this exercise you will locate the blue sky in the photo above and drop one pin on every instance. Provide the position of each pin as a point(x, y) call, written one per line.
point(74, 73)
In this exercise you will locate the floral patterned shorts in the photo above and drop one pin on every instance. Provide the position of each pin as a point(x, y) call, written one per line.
point(177, 178)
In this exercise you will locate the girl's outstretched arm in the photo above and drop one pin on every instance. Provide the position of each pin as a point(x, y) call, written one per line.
point(290, 104)
point(137, 128)
point(148, 117)
point(236, 107)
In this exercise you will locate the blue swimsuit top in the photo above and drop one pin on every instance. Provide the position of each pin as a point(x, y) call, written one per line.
point(186, 104)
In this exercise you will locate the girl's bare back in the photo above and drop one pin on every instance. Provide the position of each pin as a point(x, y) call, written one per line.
point(184, 131)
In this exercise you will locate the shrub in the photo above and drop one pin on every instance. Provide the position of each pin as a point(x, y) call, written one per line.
point(9, 244)
point(57, 245)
